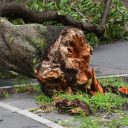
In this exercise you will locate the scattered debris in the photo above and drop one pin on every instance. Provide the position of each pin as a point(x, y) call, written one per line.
point(43, 108)
point(123, 91)
point(73, 107)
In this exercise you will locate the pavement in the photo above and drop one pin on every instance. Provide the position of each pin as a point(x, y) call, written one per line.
point(110, 59)
point(10, 119)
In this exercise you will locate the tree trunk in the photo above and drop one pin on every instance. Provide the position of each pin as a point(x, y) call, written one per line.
point(58, 57)
point(21, 46)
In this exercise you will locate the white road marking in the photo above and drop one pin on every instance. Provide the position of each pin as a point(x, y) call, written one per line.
point(35, 117)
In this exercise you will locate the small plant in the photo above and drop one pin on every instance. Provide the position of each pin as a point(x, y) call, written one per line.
point(116, 81)
point(28, 88)
point(6, 94)
point(43, 99)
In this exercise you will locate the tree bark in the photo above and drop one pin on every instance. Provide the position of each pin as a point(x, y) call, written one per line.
point(21, 46)
point(66, 64)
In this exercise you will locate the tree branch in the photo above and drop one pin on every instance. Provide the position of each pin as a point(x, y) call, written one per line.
point(15, 10)
point(106, 11)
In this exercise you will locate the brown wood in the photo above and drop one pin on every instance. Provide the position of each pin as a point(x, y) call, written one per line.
point(66, 67)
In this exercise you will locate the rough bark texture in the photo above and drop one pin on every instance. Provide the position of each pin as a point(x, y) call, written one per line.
point(66, 66)
point(105, 14)
point(22, 45)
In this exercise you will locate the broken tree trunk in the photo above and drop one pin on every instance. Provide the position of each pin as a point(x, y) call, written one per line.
point(58, 57)
point(66, 64)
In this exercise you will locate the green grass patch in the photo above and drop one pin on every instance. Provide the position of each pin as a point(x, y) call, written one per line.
point(98, 102)
point(8, 75)
point(98, 122)
point(116, 81)
point(27, 88)
point(43, 99)
point(118, 121)
point(6, 94)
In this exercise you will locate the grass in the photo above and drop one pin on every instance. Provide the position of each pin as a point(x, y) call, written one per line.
point(98, 122)
point(116, 81)
point(98, 102)
point(43, 99)
point(27, 88)
point(6, 94)
point(8, 75)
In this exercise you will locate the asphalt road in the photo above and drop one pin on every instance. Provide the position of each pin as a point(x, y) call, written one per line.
point(26, 101)
point(111, 59)
point(9, 119)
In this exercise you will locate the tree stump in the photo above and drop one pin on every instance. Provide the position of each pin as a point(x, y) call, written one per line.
point(65, 66)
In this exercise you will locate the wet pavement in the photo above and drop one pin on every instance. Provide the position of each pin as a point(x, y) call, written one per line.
point(111, 59)
point(10, 119)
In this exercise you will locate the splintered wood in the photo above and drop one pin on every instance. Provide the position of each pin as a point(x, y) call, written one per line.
point(66, 65)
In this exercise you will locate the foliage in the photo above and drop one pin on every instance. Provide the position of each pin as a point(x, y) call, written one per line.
point(117, 20)
point(88, 11)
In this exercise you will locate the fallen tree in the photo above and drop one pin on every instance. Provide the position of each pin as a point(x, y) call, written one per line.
point(57, 56)
point(60, 64)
